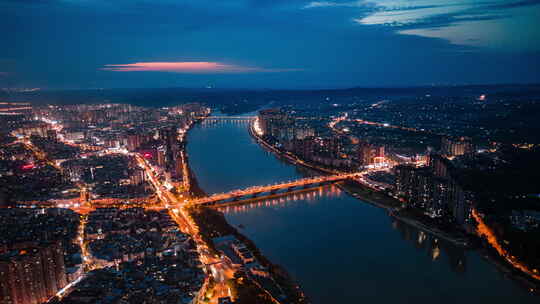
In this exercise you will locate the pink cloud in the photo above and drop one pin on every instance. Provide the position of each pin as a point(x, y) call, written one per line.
point(188, 67)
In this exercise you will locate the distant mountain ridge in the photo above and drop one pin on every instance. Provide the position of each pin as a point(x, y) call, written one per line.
point(168, 96)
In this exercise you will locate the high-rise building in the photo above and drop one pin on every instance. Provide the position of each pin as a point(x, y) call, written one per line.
point(161, 156)
point(32, 275)
point(34, 128)
point(169, 136)
point(136, 138)
point(369, 154)
point(133, 142)
point(434, 190)
point(332, 146)
point(456, 146)
point(51, 134)
point(440, 165)
point(138, 176)
point(273, 123)
point(304, 148)
point(178, 166)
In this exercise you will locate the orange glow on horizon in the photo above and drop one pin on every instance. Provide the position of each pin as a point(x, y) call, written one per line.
point(187, 67)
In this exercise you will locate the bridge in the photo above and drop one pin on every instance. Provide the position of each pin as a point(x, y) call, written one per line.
point(251, 192)
point(247, 118)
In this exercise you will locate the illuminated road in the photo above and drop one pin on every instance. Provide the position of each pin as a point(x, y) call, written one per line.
point(40, 154)
point(335, 121)
point(176, 207)
point(483, 230)
point(228, 117)
point(220, 270)
point(185, 173)
point(269, 188)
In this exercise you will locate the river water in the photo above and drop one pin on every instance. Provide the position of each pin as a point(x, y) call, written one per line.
point(340, 249)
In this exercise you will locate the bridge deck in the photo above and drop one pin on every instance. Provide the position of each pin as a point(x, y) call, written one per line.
point(268, 188)
point(229, 117)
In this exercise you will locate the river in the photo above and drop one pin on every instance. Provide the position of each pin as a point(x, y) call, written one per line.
point(340, 249)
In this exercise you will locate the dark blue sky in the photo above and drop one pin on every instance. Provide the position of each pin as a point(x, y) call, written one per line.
point(267, 43)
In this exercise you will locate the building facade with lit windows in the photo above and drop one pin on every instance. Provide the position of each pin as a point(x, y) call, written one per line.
point(369, 154)
point(456, 146)
point(32, 275)
point(434, 191)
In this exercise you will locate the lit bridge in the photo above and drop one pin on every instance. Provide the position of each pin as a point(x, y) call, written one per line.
point(246, 118)
point(253, 192)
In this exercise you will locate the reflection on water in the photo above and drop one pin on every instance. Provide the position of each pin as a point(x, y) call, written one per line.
point(427, 245)
point(431, 245)
point(209, 122)
point(340, 249)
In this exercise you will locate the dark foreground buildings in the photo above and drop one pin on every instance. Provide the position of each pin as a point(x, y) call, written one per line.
point(32, 274)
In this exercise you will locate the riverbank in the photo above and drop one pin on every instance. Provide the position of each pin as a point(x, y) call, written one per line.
point(371, 196)
point(339, 249)
point(212, 224)
point(375, 198)
point(288, 156)
point(454, 237)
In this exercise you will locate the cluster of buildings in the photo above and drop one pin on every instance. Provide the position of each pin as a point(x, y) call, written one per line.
point(66, 155)
point(370, 154)
point(59, 149)
point(311, 141)
point(32, 275)
point(139, 256)
point(25, 177)
point(14, 114)
point(462, 115)
point(80, 116)
point(36, 128)
point(113, 125)
point(283, 127)
point(162, 148)
point(525, 220)
point(16, 153)
point(436, 189)
point(108, 176)
point(56, 150)
point(120, 235)
point(37, 256)
point(150, 280)
point(452, 147)
point(237, 254)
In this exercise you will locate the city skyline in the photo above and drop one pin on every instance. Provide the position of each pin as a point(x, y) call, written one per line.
point(269, 151)
point(191, 201)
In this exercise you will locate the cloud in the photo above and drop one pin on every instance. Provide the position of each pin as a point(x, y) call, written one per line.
point(488, 23)
point(190, 67)
point(416, 12)
point(316, 4)
point(435, 13)
point(3, 74)
point(513, 4)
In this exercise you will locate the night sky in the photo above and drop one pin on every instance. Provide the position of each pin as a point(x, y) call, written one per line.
point(267, 43)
